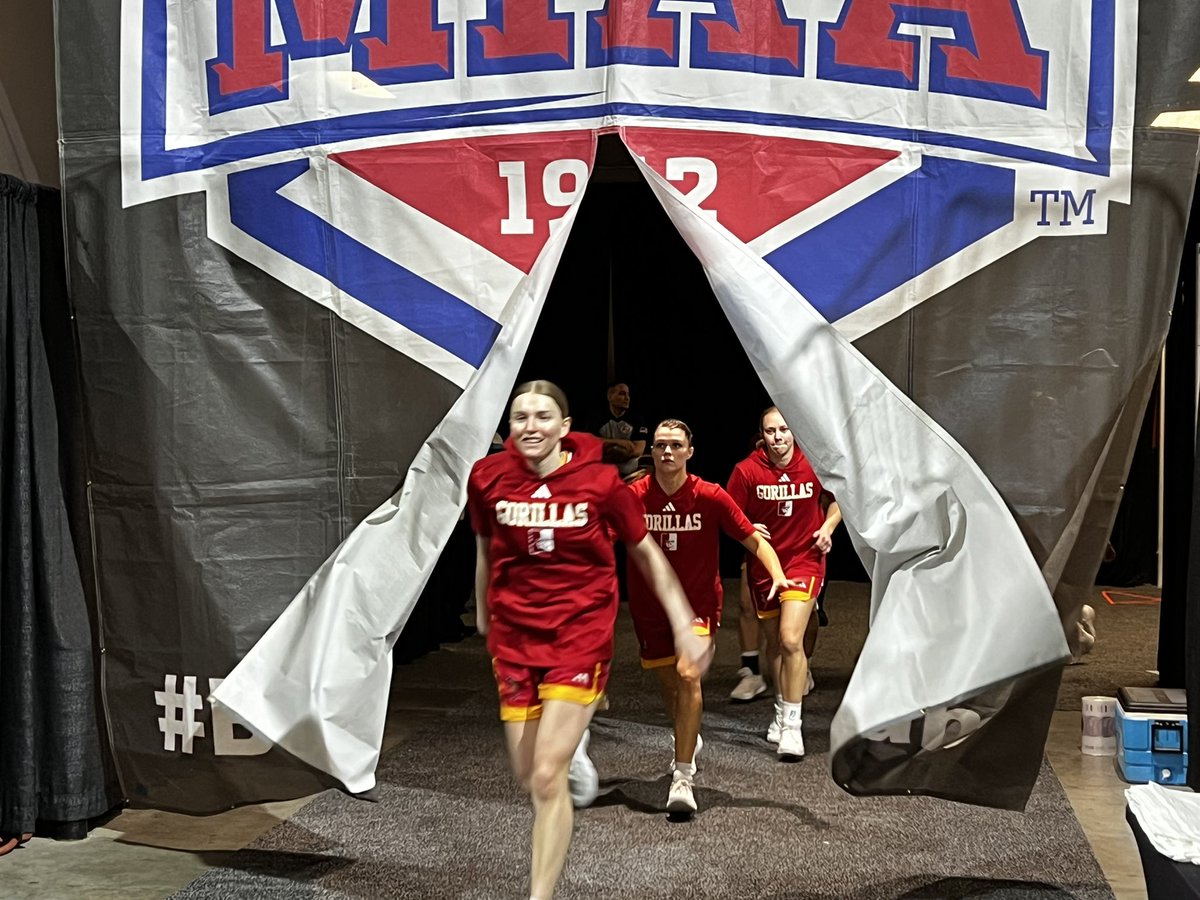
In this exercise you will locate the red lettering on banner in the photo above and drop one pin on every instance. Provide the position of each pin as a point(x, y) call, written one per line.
point(763, 35)
point(527, 30)
point(248, 64)
point(1000, 56)
point(757, 181)
point(629, 24)
point(411, 39)
point(324, 20)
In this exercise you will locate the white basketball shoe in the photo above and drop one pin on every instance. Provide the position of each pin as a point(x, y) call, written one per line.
point(583, 780)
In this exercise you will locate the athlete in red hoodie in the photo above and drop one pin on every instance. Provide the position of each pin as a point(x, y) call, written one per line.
point(685, 516)
point(777, 490)
point(546, 597)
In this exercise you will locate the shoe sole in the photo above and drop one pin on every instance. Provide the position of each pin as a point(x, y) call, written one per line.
point(789, 754)
point(678, 806)
point(742, 698)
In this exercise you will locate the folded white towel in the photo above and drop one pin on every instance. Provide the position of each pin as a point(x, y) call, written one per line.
point(1170, 818)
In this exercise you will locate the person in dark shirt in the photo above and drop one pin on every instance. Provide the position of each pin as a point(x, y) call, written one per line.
point(625, 435)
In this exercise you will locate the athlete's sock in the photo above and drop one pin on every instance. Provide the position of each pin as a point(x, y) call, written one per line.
point(750, 661)
point(685, 769)
point(791, 713)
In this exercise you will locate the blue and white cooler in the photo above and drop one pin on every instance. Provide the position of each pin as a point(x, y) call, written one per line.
point(1152, 735)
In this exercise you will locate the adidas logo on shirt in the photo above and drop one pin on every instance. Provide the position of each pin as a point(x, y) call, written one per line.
point(784, 478)
point(542, 493)
point(670, 507)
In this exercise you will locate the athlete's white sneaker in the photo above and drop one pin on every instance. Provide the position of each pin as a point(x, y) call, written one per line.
point(791, 743)
point(809, 684)
point(681, 798)
point(776, 726)
point(695, 753)
point(583, 780)
point(749, 686)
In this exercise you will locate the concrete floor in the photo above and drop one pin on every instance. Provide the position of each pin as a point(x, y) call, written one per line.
point(149, 854)
point(1097, 795)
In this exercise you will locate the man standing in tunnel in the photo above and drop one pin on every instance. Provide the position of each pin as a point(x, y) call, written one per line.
point(625, 435)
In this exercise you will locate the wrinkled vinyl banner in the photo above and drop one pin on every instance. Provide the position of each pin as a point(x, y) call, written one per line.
point(310, 239)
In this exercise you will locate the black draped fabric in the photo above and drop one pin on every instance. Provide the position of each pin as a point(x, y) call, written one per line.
point(1191, 628)
point(51, 761)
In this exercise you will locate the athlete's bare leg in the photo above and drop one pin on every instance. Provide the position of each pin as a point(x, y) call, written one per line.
point(751, 681)
point(685, 707)
point(521, 738)
point(785, 648)
point(540, 751)
point(747, 618)
point(770, 629)
point(810, 632)
point(794, 616)
point(668, 682)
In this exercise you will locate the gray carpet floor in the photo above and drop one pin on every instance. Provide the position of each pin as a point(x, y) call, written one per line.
point(450, 822)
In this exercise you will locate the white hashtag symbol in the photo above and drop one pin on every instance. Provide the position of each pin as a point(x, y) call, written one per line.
point(179, 713)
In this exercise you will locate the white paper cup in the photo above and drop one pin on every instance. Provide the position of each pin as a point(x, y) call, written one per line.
point(1099, 726)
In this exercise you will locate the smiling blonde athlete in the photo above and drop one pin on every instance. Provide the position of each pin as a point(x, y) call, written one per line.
point(546, 594)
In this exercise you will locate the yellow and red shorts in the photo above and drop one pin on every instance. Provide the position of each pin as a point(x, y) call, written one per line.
point(656, 641)
point(523, 688)
point(810, 587)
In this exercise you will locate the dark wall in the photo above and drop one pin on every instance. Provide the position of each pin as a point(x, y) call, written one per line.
point(1179, 435)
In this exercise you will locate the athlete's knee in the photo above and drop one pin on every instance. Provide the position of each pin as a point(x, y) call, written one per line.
point(792, 640)
point(688, 685)
point(547, 780)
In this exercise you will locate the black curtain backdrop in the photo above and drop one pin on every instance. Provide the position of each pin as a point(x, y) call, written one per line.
point(1179, 467)
point(1183, 616)
point(1191, 630)
point(52, 770)
point(1134, 535)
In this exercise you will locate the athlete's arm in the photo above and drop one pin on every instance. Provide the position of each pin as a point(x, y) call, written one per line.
point(767, 556)
point(693, 651)
point(482, 571)
point(824, 535)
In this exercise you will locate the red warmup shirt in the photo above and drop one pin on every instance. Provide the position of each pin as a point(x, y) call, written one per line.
point(687, 525)
point(552, 590)
point(788, 502)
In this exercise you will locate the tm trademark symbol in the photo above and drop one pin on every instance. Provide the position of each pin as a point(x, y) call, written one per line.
point(1065, 200)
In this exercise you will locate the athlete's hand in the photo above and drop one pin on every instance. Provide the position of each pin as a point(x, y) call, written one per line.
point(693, 654)
point(763, 530)
point(824, 538)
point(778, 586)
point(482, 621)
